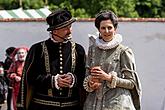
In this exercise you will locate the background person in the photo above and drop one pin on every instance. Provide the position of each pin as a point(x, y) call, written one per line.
point(3, 85)
point(15, 72)
point(7, 63)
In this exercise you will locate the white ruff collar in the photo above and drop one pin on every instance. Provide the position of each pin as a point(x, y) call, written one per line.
point(117, 39)
point(58, 41)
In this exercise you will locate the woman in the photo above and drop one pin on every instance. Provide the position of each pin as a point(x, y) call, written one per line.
point(15, 72)
point(111, 80)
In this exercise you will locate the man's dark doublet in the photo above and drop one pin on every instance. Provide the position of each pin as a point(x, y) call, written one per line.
point(35, 74)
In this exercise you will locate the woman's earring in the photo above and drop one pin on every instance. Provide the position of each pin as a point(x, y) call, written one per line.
point(100, 36)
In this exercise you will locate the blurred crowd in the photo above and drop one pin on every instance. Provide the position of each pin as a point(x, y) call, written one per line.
point(10, 75)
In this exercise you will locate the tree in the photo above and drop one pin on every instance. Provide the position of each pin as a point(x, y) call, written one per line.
point(148, 8)
point(33, 4)
point(79, 13)
point(162, 8)
point(125, 8)
point(6, 4)
point(88, 8)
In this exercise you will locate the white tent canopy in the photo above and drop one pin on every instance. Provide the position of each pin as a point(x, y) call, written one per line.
point(20, 13)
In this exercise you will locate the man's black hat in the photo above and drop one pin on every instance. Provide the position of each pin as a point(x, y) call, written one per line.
point(10, 50)
point(59, 19)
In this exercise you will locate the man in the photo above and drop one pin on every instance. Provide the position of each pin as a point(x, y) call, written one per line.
point(8, 61)
point(54, 69)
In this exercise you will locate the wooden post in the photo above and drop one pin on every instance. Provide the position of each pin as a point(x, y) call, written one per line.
point(46, 2)
point(20, 3)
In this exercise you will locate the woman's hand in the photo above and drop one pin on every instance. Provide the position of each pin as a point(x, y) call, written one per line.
point(18, 78)
point(98, 73)
point(94, 83)
point(12, 75)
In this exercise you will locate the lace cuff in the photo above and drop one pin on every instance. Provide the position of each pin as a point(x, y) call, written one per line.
point(54, 82)
point(73, 77)
point(113, 83)
point(86, 85)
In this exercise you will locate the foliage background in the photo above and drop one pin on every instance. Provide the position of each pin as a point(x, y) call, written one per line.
point(88, 8)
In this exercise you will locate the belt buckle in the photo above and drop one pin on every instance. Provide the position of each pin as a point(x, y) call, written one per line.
point(50, 92)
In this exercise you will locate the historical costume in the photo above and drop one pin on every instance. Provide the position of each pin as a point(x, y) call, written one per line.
point(45, 62)
point(8, 61)
point(3, 85)
point(15, 72)
point(112, 80)
point(112, 57)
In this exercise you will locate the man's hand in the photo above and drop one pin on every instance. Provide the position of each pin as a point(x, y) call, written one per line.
point(64, 80)
point(98, 73)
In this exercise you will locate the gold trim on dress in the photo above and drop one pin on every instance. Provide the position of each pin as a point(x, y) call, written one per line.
point(57, 104)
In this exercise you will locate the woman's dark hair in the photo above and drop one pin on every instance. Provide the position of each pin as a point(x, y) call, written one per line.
point(106, 15)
